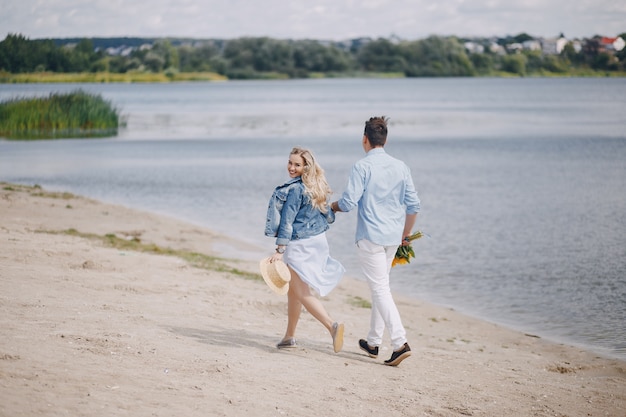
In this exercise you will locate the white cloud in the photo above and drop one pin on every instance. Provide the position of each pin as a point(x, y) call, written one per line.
point(323, 19)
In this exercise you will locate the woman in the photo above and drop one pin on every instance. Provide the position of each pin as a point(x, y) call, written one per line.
point(298, 216)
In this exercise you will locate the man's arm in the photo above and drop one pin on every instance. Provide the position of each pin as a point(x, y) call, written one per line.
point(353, 192)
point(409, 222)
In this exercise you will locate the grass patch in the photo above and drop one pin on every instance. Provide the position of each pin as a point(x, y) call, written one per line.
point(359, 302)
point(75, 114)
point(195, 259)
point(197, 76)
point(108, 77)
point(175, 76)
point(48, 194)
point(19, 187)
point(37, 191)
point(436, 320)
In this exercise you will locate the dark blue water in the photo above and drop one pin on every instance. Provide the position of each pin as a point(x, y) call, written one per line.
point(522, 182)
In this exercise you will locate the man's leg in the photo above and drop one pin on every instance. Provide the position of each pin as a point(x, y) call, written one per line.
point(376, 264)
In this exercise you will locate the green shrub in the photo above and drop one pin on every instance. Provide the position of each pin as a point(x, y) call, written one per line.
point(75, 114)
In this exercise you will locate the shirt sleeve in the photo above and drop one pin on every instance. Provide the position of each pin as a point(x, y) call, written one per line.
point(354, 190)
point(411, 199)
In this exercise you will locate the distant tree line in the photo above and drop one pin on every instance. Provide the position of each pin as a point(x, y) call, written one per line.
point(262, 57)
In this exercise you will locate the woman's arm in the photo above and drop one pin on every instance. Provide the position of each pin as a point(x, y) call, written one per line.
point(288, 215)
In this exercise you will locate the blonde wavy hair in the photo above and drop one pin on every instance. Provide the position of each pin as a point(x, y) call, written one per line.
point(315, 184)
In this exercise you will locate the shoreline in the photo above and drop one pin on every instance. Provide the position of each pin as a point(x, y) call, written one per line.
point(92, 329)
point(141, 77)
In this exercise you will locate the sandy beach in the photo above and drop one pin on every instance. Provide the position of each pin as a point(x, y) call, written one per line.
point(92, 327)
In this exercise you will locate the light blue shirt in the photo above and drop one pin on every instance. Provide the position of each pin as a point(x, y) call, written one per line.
point(382, 188)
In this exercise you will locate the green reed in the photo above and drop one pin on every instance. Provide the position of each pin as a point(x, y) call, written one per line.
point(75, 114)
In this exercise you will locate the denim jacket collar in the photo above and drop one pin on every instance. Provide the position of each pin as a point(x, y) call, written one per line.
point(291, 181)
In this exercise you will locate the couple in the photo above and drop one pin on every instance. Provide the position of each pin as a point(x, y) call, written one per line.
point(299, 215)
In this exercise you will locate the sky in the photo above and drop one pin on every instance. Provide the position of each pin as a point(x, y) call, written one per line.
point(309, 19)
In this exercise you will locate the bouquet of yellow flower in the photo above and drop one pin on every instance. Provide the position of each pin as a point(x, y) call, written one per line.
point(405, 253)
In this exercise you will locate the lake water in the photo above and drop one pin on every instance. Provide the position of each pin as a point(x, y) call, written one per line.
point(522, 181)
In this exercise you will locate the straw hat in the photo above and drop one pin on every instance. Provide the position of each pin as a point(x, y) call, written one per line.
point(276, 275)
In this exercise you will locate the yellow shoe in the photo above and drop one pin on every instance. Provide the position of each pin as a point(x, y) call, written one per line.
point(337, 336)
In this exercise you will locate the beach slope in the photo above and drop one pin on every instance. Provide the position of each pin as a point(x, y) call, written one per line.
point(108, 311)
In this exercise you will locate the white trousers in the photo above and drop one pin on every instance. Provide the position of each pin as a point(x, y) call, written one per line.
point(376, 264)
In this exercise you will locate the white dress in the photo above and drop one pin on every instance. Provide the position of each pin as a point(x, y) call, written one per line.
point(311, 260)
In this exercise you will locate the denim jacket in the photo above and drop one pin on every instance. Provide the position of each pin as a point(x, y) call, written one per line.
point(290, 215)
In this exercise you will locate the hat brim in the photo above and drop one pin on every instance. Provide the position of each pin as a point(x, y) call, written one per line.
point(282, 270)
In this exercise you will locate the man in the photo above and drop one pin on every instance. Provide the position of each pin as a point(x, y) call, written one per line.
point(382, 188)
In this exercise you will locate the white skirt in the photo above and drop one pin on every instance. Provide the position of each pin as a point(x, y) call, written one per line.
point(311, 260)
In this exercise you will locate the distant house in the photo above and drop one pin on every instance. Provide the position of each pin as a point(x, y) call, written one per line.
point(531, 45)
point(474, 48)
point(612, 44)
point(515, 47)
point(553, 46)
point(496, 48)
point(121, 50)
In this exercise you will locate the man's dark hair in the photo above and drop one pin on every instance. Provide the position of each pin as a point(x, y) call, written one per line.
point(376, 131)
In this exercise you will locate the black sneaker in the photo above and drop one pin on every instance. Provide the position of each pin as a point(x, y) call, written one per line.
point(399, 355)
point(371, 351)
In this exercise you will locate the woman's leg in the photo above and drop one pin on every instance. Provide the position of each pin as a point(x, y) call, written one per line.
point(300, 291)
point(300, 294)
point(294, 308)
